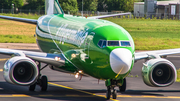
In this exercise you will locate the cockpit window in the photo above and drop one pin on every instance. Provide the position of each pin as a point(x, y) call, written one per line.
point(102, 43)
point(125, 43)
point(113, 43)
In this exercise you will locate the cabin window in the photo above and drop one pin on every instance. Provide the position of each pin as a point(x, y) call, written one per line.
point(113, 43)
point(125, 43)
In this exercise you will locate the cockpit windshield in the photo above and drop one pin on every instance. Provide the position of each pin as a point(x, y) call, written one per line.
point(125, 43)
point(104, 43)
point(113, 43)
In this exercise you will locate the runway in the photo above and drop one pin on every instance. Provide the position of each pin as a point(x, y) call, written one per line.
point(65, 87)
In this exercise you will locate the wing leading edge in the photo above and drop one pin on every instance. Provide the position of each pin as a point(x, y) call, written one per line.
point(145, 55)
point(52, 59)
point(111, 15)
point(31, 21)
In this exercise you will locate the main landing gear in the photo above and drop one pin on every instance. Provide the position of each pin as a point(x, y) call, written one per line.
point(42, 81)
point(111, 84)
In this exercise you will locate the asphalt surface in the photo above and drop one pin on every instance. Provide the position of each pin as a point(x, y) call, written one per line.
point(64, 87)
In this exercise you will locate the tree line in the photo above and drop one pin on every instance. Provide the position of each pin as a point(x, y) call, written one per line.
point(73, 5)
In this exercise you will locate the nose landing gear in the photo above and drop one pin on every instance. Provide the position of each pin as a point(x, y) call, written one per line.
point(111, 91)
point(111, 84)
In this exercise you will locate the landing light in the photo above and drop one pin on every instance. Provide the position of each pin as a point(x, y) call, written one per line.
point(57, 58)
point(77, 75)
point(81, 71)
point(73, 55)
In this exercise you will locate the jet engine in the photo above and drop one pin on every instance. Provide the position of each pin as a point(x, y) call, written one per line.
point(20, 71)
point(159, 73)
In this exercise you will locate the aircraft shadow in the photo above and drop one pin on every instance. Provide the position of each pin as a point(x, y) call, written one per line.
point(58, 93)
point(53, 93)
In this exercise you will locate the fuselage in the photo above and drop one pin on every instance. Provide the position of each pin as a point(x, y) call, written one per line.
point(99, 48)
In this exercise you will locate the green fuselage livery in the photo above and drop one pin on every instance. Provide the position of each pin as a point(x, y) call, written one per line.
point(96, 47)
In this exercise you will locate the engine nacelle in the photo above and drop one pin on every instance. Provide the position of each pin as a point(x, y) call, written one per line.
point(159, 73)
point(20, 71)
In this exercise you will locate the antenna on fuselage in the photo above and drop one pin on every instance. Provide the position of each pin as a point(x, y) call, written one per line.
point(53, 7)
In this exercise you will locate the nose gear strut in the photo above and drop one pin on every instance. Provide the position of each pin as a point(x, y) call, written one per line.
point(111, 84)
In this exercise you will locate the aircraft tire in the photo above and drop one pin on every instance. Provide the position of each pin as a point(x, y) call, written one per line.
point(123, 87)
point(44, 83)
point(32, 87)
point(114, 94)
point(108, 93)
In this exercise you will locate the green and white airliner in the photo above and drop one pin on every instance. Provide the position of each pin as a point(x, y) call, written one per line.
point(84, 46)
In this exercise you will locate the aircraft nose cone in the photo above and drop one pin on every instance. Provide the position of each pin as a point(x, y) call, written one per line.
point(120, 60)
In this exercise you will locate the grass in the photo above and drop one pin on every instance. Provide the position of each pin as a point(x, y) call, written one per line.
point(152, 34)
point(148, 34)
point(178, 76)
point(13, 32)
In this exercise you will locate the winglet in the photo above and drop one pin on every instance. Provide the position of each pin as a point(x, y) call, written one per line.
point(53, 7)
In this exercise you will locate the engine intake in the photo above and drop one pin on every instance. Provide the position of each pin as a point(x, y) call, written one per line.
point(159, 73)
point(21, 71)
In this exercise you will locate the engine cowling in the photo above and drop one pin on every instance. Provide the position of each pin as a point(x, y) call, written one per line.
point(159, 73)
point(20, 71)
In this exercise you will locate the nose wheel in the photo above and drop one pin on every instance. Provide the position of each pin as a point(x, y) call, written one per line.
point(111, 84)
point(111, 91)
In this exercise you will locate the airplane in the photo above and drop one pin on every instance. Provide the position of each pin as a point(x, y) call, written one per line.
point(84, 47)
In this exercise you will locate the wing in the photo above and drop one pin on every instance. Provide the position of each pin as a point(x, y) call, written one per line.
point(31, 21)
point(106, 16)
point(52, 59)
point(145, 55)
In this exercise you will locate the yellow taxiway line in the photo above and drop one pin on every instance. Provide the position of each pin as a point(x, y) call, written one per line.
point(4, 59)
point(118, 96)
point(79, 90)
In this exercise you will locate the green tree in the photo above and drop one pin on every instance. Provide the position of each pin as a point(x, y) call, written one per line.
point(122, 5)
point(34, 4)
point(69, 5)
point(88, 5)
point(115, 4)
point(7, 4)
point(128, 6)
point(102, 5)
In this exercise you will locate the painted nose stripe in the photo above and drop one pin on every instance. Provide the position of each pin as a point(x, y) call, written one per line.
point(120, 60)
